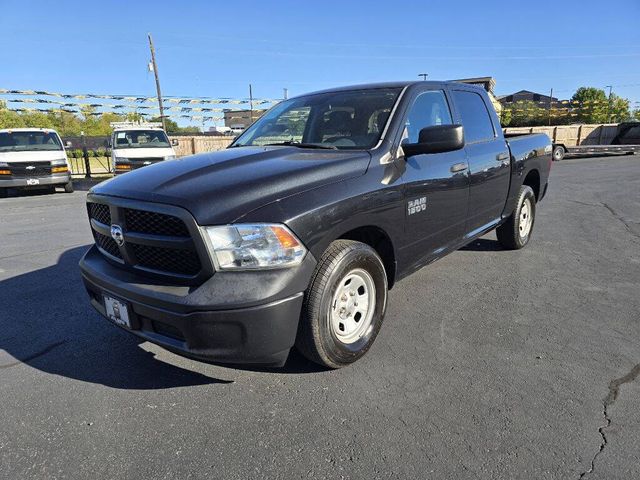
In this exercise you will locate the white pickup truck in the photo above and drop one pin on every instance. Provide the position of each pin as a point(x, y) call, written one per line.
point(33, 158)
point(135, 145)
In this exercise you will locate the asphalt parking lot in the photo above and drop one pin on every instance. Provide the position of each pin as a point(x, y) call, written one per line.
point(491, 363)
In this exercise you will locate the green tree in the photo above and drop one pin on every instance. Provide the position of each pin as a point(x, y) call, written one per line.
point(593, 106)
point(10, 119)
point(173, 128)
point(524, 113)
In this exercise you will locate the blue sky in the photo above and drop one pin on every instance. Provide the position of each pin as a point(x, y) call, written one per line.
point(216, 49)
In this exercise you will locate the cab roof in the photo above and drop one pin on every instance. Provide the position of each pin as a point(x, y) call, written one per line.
point(28, 130)
point(399, 84)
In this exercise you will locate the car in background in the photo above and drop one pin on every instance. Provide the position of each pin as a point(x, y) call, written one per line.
point(33, 158)
point(136, 145)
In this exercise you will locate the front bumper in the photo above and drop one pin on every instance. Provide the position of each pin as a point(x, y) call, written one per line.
point(49, 180)
point(234, 317)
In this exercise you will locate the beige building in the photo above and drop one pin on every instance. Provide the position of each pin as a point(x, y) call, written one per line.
point(241, 119)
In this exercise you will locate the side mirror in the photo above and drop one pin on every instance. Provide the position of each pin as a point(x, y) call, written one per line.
point(436, 139)
point(174, 142)
point(67, 144)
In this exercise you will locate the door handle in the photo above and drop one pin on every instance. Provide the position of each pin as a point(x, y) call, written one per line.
point(458, 167)
point(502, 156)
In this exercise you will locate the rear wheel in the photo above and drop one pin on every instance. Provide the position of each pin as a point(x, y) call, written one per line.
point(344, 305)
point(558, 153)
point(516, 231)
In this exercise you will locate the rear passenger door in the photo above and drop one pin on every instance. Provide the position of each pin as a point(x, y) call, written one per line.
point(436, 185)
point(488, 157)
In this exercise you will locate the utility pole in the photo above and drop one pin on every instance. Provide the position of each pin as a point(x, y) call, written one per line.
point(610, 87)
point(286, 93)
point(550, 105)
point(424, 76)
point(251, 102)
point(155, 72)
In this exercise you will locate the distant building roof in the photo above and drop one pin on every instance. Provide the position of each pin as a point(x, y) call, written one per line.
point(526, 95)
point(488, 83)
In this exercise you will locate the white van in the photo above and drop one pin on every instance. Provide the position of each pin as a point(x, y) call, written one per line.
point(33, 158)
point(135, 145)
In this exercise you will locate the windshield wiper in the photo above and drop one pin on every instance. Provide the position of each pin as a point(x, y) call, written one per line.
point(292, 143)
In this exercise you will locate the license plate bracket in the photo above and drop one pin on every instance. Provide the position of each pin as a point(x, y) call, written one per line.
point(117, 311)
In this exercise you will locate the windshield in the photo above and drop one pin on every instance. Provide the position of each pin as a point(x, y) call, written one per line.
point(140, 139)
point(29, 141)
point(343, 120)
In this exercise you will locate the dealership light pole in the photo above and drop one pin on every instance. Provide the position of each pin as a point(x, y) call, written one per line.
point(155, 72)
point(424, 76)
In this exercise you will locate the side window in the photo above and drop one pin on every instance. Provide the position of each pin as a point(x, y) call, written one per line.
point(429, 109)
point(475, 117)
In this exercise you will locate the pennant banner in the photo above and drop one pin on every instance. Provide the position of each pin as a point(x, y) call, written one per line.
point(142, 99)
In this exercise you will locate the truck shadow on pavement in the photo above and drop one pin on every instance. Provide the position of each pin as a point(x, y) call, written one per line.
point(483, 245)
point(46, 322)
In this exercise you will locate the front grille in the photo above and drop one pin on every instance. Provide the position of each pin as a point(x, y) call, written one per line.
point(154, 223)
point(155, 243)
point(185, 262)
point(107, 244)
point(31, 169)
point(146, 159)
point(100, 213)
point(143, 162)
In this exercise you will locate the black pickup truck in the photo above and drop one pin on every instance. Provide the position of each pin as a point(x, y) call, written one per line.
point(295, 233)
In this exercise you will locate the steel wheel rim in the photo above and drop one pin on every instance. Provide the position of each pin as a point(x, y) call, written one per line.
point(352, 306)
point(526, 219)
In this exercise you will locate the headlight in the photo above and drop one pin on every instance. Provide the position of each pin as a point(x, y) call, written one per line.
point(254, 246)
point(4, 164)
point(170, 157)
point(60, 161)
point(122, 164)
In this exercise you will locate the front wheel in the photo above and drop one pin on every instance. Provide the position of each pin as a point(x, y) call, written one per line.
point(516, 231)
point(344, 305)
point(4, 192)
point(68, 187)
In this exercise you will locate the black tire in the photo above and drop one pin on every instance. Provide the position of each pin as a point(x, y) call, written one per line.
point(4, 192)
point(558, 153)
point(510, 233)
point(68, 187)
point(317, 338)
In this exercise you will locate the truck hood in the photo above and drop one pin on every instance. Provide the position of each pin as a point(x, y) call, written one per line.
point(26, 157)
point(219, 187)
point(143, 152)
